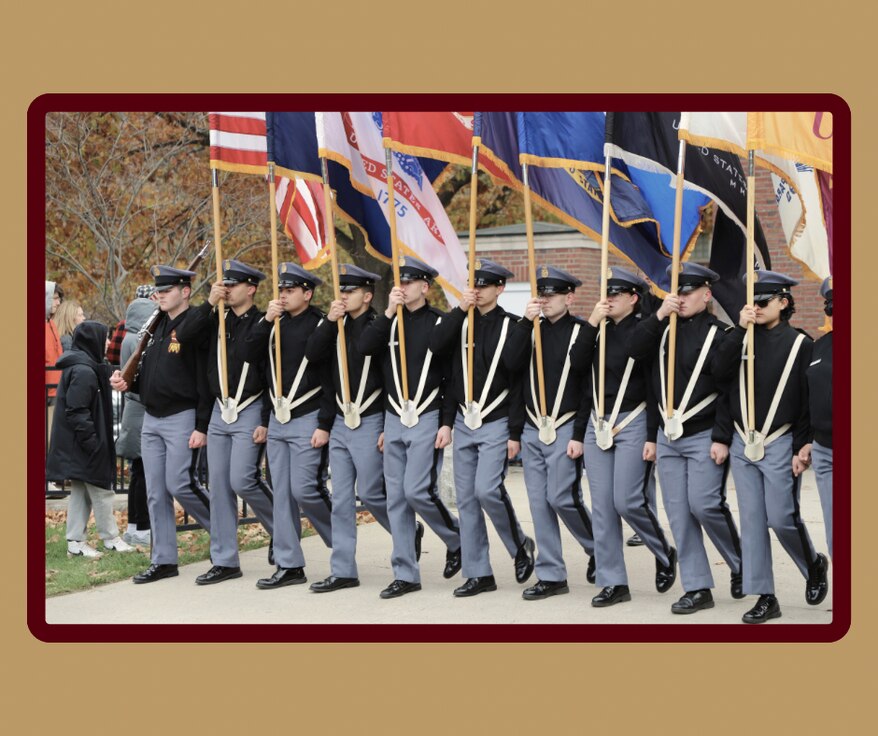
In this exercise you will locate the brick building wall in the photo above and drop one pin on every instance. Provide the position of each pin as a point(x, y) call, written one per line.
point(562, 246)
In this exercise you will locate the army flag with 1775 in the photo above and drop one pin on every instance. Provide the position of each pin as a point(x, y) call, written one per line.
point(354, 139)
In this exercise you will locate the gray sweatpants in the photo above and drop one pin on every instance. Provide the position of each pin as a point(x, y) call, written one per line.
point(298, 481)
point(480, 464)
point(619, 480)
point(411, 471)
point(233, 463)
point(85, 498)
point(169, 469)
point(554, 490)
point(356, 464)
point(821, 458)
point(768, 498)
point(694, 490)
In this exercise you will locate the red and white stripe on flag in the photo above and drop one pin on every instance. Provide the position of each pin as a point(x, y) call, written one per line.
point(300, 209)
point(238, 142)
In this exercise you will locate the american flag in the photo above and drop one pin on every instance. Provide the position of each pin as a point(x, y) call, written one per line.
point(239, 142)
point(300, 209)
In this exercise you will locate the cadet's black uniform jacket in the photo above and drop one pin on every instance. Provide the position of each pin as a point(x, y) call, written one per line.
point(294, 334)
point(644, 342)
point(204, 319)
point(585, 356)
point(447, 338)
point(555, 339)
point(771, 348)
point(820, 391)
point(172, 369)
point(322, 348)
point(418, 326)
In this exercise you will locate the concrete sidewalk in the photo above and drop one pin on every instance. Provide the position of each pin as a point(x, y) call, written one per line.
point(179, 601)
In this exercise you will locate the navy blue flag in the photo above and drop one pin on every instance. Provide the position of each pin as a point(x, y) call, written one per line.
point(559, 191)
point(292, 144)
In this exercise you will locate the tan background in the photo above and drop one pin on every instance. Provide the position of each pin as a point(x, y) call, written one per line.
point(443, 47)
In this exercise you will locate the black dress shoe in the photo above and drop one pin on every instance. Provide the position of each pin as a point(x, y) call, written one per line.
point(453, 562)
point(474, 586)
point(737, 585)
point(419, 535)
point(271, 552)
point(283, 576)
point(817, 586)
point(591, 573)
point(398, 588)
point(156, 572)
point(333, 583)
point(766, 608)
point(611, 595)
point(634, 540)
point(666, 575)
point(217, 574)
point(524, 560)
point(545, 589)
point(697, 600)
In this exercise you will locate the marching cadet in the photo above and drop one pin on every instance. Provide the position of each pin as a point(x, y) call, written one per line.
point(820, 404)
point(415, 431)
point(177, 413)
point(239, 423)
point(765, 462)
point(552, 448)
point(487, 432)
point(693, 444)
point(298, 430)
point(620, 450)
point(354, 455)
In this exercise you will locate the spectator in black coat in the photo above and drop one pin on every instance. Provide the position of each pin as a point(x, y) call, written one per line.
point(81, 445)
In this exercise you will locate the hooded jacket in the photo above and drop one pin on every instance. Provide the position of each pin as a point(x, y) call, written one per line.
point(81, 446)
point(53, 342)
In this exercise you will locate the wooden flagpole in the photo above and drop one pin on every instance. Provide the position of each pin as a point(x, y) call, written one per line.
point(675, 273)
point(751, 224)
point(605, 250)
point(221, 307)
point(471, 326)
point(532, 268)
point(394, 251)
point(272, 196)
point(333, 258)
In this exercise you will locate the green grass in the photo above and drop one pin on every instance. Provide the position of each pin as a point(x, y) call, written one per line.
point(70, 574)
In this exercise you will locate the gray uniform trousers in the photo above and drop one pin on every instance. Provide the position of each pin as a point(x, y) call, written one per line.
point(85, 497)
point(554, 490)
point(821, 459)
point(619, 481)
point(355, 461)
point(298, 483)
point(412, 466)
point(169, 466)
point(768, 498)
point(480, 464)
point(694, 489)
point(233, 466)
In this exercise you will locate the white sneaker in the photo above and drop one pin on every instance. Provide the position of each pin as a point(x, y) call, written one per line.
point(138, 538)
point(116, 543)
point(83, 549)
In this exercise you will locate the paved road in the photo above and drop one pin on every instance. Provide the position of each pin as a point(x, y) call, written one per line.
point(179, 600)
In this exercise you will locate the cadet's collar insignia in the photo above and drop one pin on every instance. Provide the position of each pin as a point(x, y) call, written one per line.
point(226, 265)
point(478, 265)
point(343, 270)
point(544, 272)
point(156, 271)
